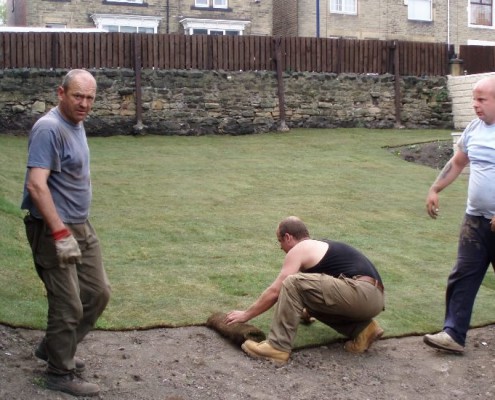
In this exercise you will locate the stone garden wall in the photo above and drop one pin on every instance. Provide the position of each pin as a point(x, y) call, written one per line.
point(236, 103)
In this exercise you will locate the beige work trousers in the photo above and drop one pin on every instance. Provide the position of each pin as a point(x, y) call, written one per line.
point(344, 304)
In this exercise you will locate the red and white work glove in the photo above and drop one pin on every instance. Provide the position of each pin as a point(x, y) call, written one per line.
point(68, 251)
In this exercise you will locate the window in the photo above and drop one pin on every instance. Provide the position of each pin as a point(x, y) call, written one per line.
point(343, 6)
point(211, 3)
point(126, 23)
point(220, 3)
point(56, 26)
point(194, 26)
point(481, 12)
point(419, 10)
point(127, 29)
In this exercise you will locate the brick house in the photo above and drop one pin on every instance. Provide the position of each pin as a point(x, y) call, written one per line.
point(445, 21)
point(215, 17)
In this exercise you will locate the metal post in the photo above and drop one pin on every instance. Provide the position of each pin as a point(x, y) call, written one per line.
point(137, 70)
point(317, 18)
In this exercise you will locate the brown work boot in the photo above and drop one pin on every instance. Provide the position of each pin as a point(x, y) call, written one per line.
point(366, 337)
point(40, 352)
point(265, 351)
point(71, 384)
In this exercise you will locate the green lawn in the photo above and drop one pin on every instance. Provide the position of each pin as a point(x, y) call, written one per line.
point(187, 224)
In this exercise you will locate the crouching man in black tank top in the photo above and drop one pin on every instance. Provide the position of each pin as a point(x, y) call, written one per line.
point(331, 281)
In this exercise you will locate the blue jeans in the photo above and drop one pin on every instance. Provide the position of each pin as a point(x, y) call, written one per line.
point(476, 250)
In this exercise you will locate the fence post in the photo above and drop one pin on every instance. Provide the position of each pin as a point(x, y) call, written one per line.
point(138, 128)
point(55, 49)
point(282, 126)
point(398, 122)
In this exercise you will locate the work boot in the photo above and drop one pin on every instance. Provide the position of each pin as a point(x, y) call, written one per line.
point(71, 384)
point(265, 351)
point(443, 341)
point(366, 337)
point(40, 352)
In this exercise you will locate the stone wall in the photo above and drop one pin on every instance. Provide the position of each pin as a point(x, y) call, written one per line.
point(214, 102)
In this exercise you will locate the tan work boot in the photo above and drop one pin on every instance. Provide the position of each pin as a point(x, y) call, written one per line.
point(265, 351)
point(366, 337)
point(71, 384)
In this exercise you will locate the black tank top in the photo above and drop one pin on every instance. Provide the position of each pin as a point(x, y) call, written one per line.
point(341, 258)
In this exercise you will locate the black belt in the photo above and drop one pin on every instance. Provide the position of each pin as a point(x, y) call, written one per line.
point(376, 283)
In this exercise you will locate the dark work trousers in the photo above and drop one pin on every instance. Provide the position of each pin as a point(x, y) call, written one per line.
point(77, 294)
point(476, 250)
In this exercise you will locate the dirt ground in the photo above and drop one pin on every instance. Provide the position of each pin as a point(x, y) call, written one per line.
point(197, 363)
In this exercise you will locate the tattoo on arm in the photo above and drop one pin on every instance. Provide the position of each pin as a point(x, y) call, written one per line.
point(445, 171)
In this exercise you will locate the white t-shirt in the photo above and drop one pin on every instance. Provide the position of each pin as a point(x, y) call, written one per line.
point(478, 142)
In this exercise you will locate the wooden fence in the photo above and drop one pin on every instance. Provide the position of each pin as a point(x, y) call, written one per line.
point(230, 53)
point(477, 59)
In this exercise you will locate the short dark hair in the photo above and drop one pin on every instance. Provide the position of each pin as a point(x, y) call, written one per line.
point(293, 226)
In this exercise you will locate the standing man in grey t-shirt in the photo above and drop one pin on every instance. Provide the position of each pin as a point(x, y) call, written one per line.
point(476, 248)
point(66, 250)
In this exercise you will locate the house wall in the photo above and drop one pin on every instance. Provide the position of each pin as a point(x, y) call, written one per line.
point(376, 19)
point(285, 18)
point(380, 19)
point(16, 12)
point(76, 13)
point(460, 32)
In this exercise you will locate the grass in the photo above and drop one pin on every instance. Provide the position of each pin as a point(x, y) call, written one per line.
point(187, 224)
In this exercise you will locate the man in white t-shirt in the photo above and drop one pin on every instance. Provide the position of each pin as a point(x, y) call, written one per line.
point(476, 249)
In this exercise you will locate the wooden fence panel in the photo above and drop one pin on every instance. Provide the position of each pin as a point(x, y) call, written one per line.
point(233, 53)
point(477, 59)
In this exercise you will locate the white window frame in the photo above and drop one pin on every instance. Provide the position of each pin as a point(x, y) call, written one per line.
point(137, 21)
point(211, 3)
point(473, 42)
point(220, 3)
point(471, 25)
point(420, 10)
point(126, 1)
point(343, 7)
point(190, 24)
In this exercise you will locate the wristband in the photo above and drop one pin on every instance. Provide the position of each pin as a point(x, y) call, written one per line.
point(62, 233)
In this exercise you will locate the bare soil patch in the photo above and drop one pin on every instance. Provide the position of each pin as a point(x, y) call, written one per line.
point(432, 154)
point(197, 363)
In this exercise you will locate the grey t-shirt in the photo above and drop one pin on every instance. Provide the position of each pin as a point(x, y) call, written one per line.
point(60, 146)
point(478, 142)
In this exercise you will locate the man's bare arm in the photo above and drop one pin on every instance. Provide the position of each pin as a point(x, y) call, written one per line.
point(292, 265)
point(449, 173)
point(37, 187)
